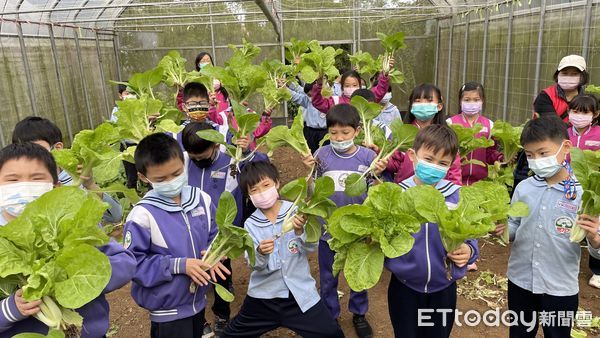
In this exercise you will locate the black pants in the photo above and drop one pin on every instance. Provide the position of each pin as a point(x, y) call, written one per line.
point(594, 264)
point(529, 305)
point(404, 304)
point(130, 171)
point(313, 136)
point(220, 307)
point(190, 327)
point(259, 316)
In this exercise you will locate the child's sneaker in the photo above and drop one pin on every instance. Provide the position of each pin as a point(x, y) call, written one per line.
point(595, 281)
point(220, 325)
point(362, 326)
point(207, 332)
point(472, 267)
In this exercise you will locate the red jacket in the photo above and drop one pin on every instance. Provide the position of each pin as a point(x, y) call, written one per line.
point(324, 104)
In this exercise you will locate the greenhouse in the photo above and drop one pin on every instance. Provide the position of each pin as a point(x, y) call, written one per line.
point(443, 155)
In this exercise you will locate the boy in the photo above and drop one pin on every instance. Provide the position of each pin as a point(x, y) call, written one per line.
point(281, 291)
point(543, 266)
point(46, 134)
point(30, 170)
point(210, 170)
point(338, 160)
point(125, 93)
point(168, 231)
point(419, 278)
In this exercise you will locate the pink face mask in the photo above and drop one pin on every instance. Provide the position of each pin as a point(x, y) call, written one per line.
point(580, 120)
point(265, 199)
point(471, 108)
point(348, 91)
point(568, 82)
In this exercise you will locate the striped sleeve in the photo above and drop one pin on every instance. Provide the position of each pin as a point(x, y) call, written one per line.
point(9, 314)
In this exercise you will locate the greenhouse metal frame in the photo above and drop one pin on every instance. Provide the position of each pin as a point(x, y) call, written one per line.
point(94, 41)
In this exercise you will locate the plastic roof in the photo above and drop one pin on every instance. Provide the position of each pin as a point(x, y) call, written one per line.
point(129, 14)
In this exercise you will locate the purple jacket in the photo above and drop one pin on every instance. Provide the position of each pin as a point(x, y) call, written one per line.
point(217, 178)
point(423, 268)
point(95, 313)
point(162, 235)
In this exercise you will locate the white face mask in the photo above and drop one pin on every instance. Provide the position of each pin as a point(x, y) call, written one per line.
point(568, 82)
point(14, 197)
point(342, 146)
point(546, 166)
point(171, 188)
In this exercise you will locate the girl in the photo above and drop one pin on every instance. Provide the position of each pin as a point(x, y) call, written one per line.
point(426, 107)
point(350, 81)
point(472, 99)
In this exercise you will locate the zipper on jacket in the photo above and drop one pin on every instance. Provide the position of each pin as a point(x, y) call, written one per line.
point(187, 223)
point(428, 260)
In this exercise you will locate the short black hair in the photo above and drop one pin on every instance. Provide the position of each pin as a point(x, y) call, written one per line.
point(30, 151)
point(194, 89)
point(426, 91)
point(585, 103)
point(34, 128)
point(351, 73)
point(364, 93)
point(121, 88)
point(254, 172)
point(307, 87)
point(192, 143)
point(156, 149)
point(199, 57)
point(544, 128)
point(343, 114)
point(437, 137)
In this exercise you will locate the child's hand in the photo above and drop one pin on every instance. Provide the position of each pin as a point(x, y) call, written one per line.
point(499, 230)
point(266, 247)
point(309, 161)
point(196, 270)
point(380, 166)
point(392, 61)
point(26, 308)
point(591, 225)
point(243, 142)
point(373, 147)
point(219, 270)
point(297, 60)
point(87, 181)
point(299, 221)
point(461, 256)
point(153, 117)
point(212, 99)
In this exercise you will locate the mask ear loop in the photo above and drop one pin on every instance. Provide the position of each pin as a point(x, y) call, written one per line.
point(570, 188)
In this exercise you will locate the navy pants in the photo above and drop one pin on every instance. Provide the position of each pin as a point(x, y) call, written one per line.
point(190, 327)
point(259, 316)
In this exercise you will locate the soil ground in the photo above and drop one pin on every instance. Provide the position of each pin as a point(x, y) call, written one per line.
point(129, 320)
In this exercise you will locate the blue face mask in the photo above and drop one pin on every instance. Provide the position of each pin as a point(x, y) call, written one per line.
point(424, 111)
point(430, 173)
point(171, 188)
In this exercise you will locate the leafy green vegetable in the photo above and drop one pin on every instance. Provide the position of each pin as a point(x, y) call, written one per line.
point(319, 63)
point(142, 83)
point(314, 206)
point(592, 89)
point(281, 136)
point(174, 72)
point(366, 65)
point(391, 43)
point(508, 137)
point(294, 49)
point(367, 111)
point(275, 91)
point(96, 151)
point(586, 167)
point(467, 140)
point(51, 334)
point(50, 252)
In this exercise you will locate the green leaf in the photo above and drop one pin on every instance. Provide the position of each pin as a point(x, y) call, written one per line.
point(13, 261)
point(508, 137)
point(293, 137)
point(224, 293)
point(355, 185)
point(398, 246)
point(392, 42)
point(363, 266)
point(53, 333)
point(226, 210)
point(467, 140)
point(312, 229)
point(294, 189)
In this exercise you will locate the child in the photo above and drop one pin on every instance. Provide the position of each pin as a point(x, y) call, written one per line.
point(30, 170)
point(315, 124)
point(426, 107)
point(419, 278)
point(281, 291)
point(220, 97)
point(124, 94)
point(390, 112)
point(210, 170)
point(472, 99)
point(350, 81)
point(168, 231)
point(45, 133)
point(543, 266)
point(338, 160)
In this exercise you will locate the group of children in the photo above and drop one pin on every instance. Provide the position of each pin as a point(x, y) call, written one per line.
point(167, 233)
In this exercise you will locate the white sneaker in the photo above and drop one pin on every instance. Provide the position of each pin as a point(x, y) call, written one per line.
point(595, 281)
point(207, 332)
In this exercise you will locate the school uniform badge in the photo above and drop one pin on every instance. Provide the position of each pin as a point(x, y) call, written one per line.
point(293, 246)
point(564, 224)
point(127, 240)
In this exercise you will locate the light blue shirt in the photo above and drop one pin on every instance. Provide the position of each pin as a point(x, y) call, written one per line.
point(284, 270)
point(336, 89)
point(389, 113)
point(543, 260)
point(113, 114)
point(312, 117)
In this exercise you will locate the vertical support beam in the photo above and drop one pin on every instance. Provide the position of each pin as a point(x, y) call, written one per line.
point(27, 69)
point(354, 49)
point(212, 35)
point(538, 56)
point(86, 96)
point(2, 141)
point(507, 63)
point(358, 47)
point(282, 50)
point(449, 64)
point(61, 88)
point(102, 80)
point(466, 49)
point(117, 50)
point(437, 52)
point(586, 29)
point(486, 26)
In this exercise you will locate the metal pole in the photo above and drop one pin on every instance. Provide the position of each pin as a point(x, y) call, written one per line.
point(61, 88)
point(465, 51)
point(212, 35)
point(358, 30)
point(507, 64)
point(354, 49)
point(538, 57)
point(448, 71)
point(486, 25)
point(117, 50)
point(2, 141)
point(586, 29)
point(102, 80)
point(86, 97)
point(282, 46)
point(437, 52)
point(27, 69)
